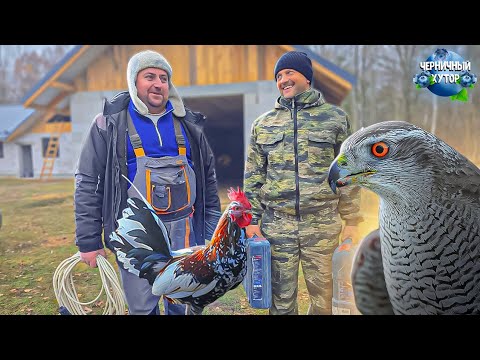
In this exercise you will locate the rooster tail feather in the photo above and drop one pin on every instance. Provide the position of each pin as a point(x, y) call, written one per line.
point(138, 192)
point(141, 241)
point(147, 204)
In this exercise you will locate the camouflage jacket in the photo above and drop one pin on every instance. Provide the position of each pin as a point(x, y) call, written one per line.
point(291, 148)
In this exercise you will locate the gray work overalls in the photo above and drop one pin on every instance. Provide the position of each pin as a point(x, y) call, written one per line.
point(168, 183)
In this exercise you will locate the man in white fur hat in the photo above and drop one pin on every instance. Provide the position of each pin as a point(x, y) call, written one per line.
point(147, 135)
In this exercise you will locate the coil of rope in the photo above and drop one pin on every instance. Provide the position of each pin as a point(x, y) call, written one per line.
point(66, 294)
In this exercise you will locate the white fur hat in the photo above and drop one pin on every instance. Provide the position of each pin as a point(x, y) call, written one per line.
point(151, 59)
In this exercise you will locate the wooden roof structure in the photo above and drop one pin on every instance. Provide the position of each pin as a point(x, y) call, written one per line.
point(103, 68)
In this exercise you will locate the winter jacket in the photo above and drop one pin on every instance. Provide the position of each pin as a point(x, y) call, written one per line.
point(101, 191)
point(291, 149)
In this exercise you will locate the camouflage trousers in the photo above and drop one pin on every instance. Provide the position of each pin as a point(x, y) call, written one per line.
point(311, 241)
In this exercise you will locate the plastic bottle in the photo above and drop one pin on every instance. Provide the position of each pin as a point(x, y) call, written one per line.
point(258, 281)
point(343, 302)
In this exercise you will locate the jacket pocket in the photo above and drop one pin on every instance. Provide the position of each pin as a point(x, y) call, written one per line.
point(320, 150)
point(272, 144)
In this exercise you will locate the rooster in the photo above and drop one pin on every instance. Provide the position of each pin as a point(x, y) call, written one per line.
point(194, 276)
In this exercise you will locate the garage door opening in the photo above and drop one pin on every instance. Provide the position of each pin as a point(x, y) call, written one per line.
point(224, 131)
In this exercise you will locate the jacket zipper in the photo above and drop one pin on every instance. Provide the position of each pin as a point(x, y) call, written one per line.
point(156, 126)
point(158, 133)
point(116, 203)
point(295, 150)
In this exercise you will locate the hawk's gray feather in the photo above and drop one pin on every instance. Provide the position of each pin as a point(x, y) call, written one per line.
point(429, 215)
point(371, 296)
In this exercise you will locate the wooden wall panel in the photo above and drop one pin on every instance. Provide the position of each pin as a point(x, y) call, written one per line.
point(103, 73)
point(202, 61)
point(109, 71)
point(223, 64)
point(272, 53)
point(237, 68)
point(177, 56)
point(207, 64)
point(251, 62)
point(214, 64)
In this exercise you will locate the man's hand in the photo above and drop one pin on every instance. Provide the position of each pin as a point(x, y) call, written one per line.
point(350, 231)
point(251, 230)
point(90, 258)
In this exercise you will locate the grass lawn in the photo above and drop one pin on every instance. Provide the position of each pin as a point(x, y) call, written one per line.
point(37, 234)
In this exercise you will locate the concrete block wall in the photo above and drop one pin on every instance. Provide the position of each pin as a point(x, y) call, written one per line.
point(12, 162)
point(257, 103)
point(9, 164)
point(84, 107)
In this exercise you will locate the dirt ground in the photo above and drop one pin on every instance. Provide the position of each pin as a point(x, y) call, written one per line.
point(37, 234)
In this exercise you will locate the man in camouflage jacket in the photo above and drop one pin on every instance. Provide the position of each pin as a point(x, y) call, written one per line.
point(290, 151)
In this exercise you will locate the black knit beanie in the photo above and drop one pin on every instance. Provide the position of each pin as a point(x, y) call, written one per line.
point(295, 60)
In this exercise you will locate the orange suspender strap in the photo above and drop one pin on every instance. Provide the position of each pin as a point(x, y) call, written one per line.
point(182, 150)
point(137, 142)
point(187, 232)
point(139, 152)
point(134, 137)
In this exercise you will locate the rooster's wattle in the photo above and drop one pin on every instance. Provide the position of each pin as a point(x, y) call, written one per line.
point(194, 276)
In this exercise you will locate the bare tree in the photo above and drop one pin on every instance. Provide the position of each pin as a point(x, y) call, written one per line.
point(32, 65)
point(398, 63)
point(358, 59)
point(8, 54)
point(337, 54)
point(385, 91)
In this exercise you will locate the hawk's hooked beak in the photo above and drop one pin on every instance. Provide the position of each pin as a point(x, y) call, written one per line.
point(333, 176)
point(339, 176)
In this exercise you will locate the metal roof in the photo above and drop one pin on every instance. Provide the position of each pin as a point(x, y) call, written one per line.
point(11, 116)
point(65, 71)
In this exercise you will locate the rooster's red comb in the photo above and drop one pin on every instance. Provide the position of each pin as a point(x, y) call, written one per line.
point(237, 195)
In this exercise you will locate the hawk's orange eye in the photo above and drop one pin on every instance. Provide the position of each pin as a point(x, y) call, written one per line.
point(380, 149)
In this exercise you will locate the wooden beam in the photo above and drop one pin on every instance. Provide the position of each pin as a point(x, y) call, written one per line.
point(57, 100)
point(331, 76)
point(55, 76)
point(64, 112)
point(50, 109)
point(63, 86)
